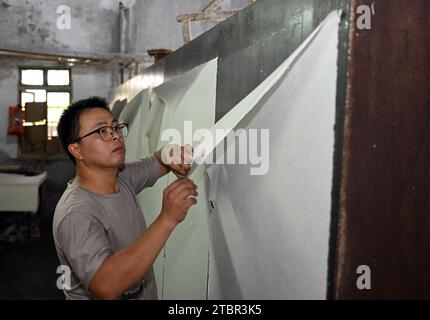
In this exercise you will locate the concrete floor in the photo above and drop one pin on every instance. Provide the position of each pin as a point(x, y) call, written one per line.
point(28, 270)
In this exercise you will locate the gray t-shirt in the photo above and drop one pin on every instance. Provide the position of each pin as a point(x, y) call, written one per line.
point(89, 227)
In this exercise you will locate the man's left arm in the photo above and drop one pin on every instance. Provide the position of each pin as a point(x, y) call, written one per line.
point(145, 172)
point(163, 168)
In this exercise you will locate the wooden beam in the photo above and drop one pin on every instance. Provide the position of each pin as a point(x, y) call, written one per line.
point(201, 16)
point(212, 6)
point(186, 30)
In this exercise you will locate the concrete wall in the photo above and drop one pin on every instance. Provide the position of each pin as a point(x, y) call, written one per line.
point(8, 94)
point(32, 26)
point(86, 81)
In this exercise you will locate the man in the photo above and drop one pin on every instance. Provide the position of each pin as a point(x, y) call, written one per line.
point(99, 229)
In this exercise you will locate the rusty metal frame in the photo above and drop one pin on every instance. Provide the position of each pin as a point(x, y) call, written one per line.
point(125, 62)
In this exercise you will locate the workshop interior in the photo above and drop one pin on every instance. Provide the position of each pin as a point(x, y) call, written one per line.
point(310, 118)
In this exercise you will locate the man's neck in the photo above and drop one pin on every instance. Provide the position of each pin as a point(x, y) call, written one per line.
point(101, 181)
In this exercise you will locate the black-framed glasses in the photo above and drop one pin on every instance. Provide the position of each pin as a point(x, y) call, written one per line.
point(106, 132)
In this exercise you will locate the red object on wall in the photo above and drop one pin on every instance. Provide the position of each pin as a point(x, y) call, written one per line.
point(16, 121)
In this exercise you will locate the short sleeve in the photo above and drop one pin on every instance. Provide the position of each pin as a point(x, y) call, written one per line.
point(141, 174)
point(85, 245)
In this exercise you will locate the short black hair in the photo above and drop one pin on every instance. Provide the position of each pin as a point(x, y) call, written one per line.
point(68, 126)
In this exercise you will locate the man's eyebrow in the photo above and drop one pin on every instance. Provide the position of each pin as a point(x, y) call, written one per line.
point(105, 123)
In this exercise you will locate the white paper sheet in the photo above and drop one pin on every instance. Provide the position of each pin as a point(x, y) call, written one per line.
point(270, 234)
point(172, 103)
point(229, 121)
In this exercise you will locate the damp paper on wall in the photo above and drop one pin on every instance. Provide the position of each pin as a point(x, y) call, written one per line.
point(152, 114)
point(264, 236)
point(269, 234)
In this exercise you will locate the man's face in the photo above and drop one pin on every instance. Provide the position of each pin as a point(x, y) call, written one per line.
point(94, 150)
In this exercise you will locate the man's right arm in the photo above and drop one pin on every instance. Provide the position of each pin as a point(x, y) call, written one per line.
point(123, 269)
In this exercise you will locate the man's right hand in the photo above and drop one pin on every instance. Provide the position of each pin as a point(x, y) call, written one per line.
point(176, 201)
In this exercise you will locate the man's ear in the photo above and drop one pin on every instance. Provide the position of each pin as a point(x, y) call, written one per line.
point(75, 151)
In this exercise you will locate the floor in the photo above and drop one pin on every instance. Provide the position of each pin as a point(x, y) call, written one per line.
point(28, 269)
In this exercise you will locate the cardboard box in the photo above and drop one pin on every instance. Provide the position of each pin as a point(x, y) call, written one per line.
point(35, 134)
point(53, 146)
point(36, 111)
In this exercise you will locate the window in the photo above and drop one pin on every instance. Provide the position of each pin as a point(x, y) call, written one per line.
point(32, 77)
point(58, 78)
point(50, 85)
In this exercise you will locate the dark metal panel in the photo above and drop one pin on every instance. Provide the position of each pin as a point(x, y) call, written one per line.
point(277, 30)
point(385, 207)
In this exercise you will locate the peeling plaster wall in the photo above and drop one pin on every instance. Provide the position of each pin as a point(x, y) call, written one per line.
point(32, 25)
point(84, 83)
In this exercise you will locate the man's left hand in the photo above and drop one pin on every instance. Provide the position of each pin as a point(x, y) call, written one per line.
point(176, 158)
